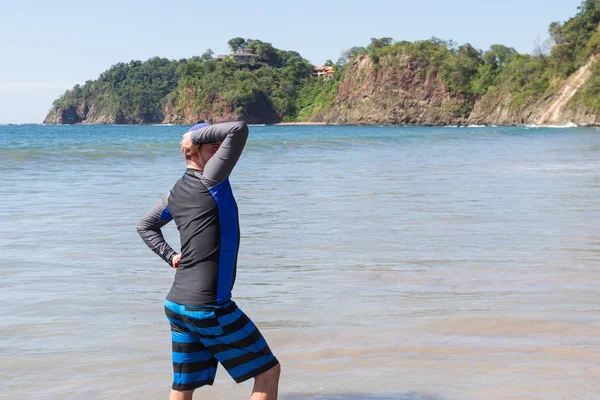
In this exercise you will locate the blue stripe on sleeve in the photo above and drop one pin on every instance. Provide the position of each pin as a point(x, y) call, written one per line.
point(165, 215)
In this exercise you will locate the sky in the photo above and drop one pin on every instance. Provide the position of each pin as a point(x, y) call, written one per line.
point(46, 47)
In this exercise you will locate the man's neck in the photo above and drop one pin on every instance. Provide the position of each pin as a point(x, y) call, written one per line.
point(193, 165)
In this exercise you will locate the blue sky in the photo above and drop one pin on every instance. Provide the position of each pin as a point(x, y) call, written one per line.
point(48, 46)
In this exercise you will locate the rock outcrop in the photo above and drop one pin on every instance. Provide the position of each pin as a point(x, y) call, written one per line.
point(395, 91)
point(555, 109)
point(87, 113)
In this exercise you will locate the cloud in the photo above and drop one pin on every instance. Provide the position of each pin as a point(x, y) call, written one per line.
point(11, 86)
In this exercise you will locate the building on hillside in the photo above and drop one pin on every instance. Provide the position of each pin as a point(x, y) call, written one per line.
point(324, 71)
point(244, 56)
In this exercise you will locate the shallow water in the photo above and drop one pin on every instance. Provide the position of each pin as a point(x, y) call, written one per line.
point(379, 262)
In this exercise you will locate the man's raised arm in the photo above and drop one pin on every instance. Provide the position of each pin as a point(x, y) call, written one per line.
point(233, 136)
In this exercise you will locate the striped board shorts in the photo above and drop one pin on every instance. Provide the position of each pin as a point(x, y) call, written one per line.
point(204, 336)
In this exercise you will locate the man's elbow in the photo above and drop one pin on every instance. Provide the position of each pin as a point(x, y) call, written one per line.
point(240, 129)
point(141, 228)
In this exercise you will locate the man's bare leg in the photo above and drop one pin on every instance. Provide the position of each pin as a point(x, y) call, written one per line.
point(266, 384)
point(181, 395)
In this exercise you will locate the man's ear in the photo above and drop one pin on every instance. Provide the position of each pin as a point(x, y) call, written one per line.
point(195, 157)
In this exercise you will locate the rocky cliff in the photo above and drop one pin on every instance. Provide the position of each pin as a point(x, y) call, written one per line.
point(85, 112)
point(394, 91)
point(182, 109)
point(559, 107)
point(402, 92)
point(188, 113)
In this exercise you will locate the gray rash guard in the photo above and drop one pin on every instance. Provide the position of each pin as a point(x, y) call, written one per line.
point(205, 212)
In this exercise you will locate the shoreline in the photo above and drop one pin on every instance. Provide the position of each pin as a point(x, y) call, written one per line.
point(302, 124)
point(568, 125)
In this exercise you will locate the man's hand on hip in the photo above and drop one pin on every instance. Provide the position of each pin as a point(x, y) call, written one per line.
point(176, 260)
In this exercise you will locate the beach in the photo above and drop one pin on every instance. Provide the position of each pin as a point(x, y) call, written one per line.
point(414, 263)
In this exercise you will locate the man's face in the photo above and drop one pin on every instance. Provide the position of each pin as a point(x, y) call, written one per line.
point(207, 150)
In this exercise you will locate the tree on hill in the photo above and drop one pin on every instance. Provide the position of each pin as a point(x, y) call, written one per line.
point(236, 43)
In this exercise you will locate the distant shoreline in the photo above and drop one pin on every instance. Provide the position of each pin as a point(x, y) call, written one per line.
point(568, 125)
point(300, 123)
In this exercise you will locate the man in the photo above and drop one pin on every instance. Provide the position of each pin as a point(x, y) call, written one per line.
point(207, 327)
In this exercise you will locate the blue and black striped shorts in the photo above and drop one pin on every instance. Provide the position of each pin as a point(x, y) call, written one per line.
point(203, 336)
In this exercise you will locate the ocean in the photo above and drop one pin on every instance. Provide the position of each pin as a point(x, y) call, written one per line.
point(414, 263)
